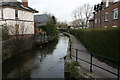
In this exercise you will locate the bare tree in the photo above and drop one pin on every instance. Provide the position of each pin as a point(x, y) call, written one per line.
point(17, 28)
point(16, 31)
point(76, 23)
point(83, 13)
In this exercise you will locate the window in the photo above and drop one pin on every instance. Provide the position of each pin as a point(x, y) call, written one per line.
point(114, 26)
point(95, 12)
point(107, 3)
point(115, 13)
point(98, 20)
point(106, 16)
point(95, 20)
point(16, 14)
point(106, 26)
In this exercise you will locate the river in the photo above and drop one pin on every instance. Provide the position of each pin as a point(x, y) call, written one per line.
point(46, 62)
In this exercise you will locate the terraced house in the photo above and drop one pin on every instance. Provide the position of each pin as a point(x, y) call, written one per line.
point(106, 14)
point(17, 16)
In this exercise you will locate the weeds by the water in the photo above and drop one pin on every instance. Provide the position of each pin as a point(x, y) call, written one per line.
point(72, 68)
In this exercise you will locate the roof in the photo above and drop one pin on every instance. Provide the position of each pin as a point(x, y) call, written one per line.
point(43, 18)
point(16, 5)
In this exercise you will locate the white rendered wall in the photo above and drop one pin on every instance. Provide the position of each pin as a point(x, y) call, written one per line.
point(0, 13)
point(24, 27)
point(8, 13)
point(25, 16)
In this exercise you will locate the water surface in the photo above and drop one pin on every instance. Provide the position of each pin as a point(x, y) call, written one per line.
point(47, 62)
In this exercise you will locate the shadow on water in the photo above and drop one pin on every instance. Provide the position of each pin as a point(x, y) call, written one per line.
point(38, 63)
point(22, 64)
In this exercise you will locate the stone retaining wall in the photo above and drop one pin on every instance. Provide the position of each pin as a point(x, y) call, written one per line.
point(15, 47)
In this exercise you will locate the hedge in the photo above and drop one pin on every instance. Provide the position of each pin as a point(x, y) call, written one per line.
point(103, 41)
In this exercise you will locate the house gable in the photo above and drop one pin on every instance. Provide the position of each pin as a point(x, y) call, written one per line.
point(17, 5)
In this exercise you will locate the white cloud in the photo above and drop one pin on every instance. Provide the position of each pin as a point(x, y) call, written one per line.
point(62, 9)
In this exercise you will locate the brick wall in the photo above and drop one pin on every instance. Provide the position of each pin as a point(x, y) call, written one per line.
point(100, 16)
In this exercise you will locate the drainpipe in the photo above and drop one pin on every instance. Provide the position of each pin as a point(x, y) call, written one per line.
point(94, 20)
point(118, 13)
point(2, 12)
point(100, 18)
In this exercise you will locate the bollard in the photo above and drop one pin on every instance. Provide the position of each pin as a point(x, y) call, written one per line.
point(76, 55)
point(91, 62)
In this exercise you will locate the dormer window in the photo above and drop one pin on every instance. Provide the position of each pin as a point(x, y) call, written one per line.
point(107, 3)
point(16, 14)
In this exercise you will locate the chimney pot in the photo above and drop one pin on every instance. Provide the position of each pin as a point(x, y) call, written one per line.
point(25, 3)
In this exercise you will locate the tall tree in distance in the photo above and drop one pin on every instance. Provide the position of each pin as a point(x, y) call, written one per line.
point(83, 14)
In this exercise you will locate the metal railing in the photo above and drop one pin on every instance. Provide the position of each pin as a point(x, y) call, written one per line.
point(91, 61)
point(43, 38)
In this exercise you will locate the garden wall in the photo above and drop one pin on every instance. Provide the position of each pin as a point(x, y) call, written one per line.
point(14, 47)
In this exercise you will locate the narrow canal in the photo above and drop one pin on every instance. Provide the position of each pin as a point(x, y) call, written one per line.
point(47, 62)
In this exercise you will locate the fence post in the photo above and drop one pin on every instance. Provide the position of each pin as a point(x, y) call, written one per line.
point(91, 62)
point(118, 69)
point(70, 51)
point(41, 37)
point(44, 36)
point(76, 55)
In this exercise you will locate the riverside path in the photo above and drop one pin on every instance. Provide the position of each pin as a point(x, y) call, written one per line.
point(99, 73)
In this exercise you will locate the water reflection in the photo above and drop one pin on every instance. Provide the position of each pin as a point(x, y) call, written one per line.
point(47, 62)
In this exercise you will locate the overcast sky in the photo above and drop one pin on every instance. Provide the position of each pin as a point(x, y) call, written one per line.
point(62, 9)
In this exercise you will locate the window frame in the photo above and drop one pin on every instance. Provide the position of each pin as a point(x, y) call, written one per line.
point(106, 16)
point(96, 21)
point(16, 14)
point(114, 26)
point(107, 3)
point(115, 1)
point(116, 9)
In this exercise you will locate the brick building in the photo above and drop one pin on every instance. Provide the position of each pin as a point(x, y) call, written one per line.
point(106, 14)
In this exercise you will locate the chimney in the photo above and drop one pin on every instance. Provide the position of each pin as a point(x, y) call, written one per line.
point(25, 3)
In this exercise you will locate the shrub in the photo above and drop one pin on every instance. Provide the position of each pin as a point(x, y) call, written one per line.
point(5, 35)
point(103, 41)
point(72, 69)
